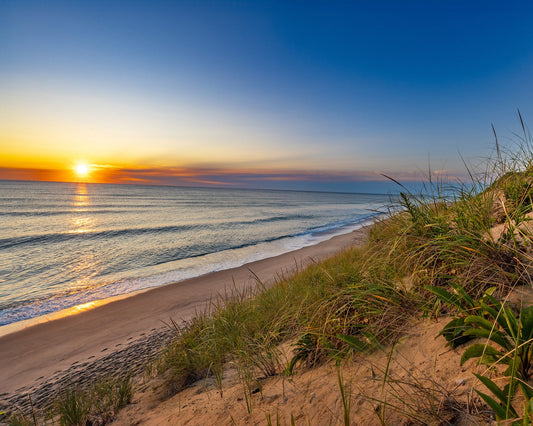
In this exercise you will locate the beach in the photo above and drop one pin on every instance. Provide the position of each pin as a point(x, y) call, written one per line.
point(124, 334)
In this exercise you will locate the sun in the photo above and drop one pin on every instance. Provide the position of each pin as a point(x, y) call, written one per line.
point(82, 169)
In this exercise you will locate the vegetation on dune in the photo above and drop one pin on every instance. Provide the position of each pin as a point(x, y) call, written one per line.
point(96, 405)
point(456, 250)
point(317, 307)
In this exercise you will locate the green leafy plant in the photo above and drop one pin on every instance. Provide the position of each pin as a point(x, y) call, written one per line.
point(513, 337)
point(510, 338)
point(509, 342)
point(305, 350)
point(455, 332)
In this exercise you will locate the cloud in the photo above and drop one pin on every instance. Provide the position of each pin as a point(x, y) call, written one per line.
point(345, 181)
point(13, 173)
point(225, 177)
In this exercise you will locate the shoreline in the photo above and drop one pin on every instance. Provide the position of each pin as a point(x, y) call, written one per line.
point(34, 356)
point(108, 292)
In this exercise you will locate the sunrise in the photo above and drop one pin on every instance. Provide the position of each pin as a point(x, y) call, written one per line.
point(258, 212)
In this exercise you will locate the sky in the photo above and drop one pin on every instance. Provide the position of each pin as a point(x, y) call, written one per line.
point(267, 94)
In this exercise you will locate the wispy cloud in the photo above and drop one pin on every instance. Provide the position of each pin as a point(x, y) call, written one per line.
point(225, 177)
point(221, 177)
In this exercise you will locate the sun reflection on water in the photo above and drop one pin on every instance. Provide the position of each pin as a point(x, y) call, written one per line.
point(81, 199)
point(81, 223)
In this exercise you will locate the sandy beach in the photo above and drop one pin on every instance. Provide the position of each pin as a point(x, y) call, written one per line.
point(123, 334)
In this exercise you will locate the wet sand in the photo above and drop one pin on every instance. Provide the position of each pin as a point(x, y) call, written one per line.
point(124, 334)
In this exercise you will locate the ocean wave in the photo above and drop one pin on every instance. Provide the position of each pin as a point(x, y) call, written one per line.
point(31, 213)
point(183, 268)
point(7, 243)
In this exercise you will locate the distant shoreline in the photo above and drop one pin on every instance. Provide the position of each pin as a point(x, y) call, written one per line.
point(213, 187)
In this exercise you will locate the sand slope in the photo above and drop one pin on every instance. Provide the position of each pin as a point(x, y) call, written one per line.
point(425, 385)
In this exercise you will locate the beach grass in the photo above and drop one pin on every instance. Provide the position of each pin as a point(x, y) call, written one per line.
point(457, 250)
point(473, 237)
point(95, 405)
point(317, 307)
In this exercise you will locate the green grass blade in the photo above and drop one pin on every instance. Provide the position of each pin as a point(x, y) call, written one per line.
point(493, 387)
point(500, 412)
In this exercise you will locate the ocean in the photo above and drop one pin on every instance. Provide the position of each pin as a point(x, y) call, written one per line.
point(66, 244)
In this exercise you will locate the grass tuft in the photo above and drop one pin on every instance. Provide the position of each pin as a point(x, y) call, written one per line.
point(96, 405)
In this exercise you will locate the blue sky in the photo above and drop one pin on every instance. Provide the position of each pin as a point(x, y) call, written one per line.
point(320, 95)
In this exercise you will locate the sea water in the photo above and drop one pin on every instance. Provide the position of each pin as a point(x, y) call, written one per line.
point(65, 244)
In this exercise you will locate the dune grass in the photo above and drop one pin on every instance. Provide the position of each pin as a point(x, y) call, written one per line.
point(456, 250)
point(362, 295)
point(96, 405)
point(315, 307)
point(464, 239)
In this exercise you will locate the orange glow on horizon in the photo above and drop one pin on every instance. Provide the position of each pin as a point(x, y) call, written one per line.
point(184, 176)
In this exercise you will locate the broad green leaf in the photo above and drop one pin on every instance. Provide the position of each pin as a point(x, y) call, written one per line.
point(504, 317)
point(480, 321)
point(490, 291)
point(512, 322)
point(511, 387)
point(490, 310)
point(446, 297)
point(495, 336)
point(526, 390)
point(487, 354)
point(459, 290)
point(526, 320)
point(454, 332)
point(514, 365)
point(490, 300)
